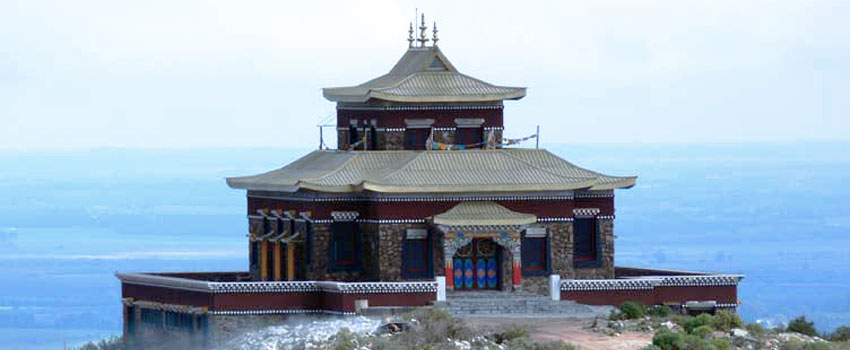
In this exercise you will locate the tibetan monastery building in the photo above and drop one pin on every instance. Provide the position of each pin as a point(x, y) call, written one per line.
point(422, 200)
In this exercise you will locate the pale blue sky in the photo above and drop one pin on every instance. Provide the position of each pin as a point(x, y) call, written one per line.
point(83, 74)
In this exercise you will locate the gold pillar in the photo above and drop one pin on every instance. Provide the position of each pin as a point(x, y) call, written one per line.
point(277, 261)
point(290, 261)
point(264, 261)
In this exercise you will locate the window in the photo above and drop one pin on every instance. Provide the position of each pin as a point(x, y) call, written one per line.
point(353, 135)
point(152, 317)
point(437, 64)
point(535, 252)
point(344, 247)
point(416, 255)
point(469, 136)
point(586, 243)
point(414, 138)
point(373, 137)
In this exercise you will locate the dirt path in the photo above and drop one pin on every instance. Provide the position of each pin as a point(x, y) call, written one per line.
point(574, 331)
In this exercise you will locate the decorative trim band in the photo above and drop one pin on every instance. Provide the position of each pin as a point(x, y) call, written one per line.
point(419, 108)
point(277, 286)
point(585, 212)
point(554, 219)
point(488, 128)
point(445, 128)
point(346, 216)
point(595, 194)
point(650, 282)
point(391, 221)
point(393, 129)
point(419, 199)
point(605, 217)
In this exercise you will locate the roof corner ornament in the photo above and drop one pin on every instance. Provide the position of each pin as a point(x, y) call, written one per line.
point(410, 39)
point(422, 39)
point(434, 36)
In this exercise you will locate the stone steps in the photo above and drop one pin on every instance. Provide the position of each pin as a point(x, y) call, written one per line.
point(484, 304)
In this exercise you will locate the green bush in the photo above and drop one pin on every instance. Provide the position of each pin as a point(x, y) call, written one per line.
point(725, 320)
point(802, 326)
point(755, 328)
point(703, 331)
point(661, 311)
point(668, 340)
point(113, 343)
point(798, 345)
point(632, 310)
point(701, 320)
point(840, 334)
point(511, 332)
point(721, 343)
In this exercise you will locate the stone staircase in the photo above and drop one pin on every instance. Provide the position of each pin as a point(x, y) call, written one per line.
point(516, 304)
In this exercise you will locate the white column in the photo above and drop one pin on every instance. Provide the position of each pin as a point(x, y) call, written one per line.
point(555, 287)
point(441, 288)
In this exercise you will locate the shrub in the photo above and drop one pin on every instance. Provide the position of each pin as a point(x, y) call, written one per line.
point(721, 343)
point(668, 340)
point(726, 320)
point(632, 310)
point(701, 320)
point(755, 328)
point(661, 311)
point(840, 334)
point(798, 345)
point(113, 343)
point(802, 326)
point(510, 333)
point(703, 331)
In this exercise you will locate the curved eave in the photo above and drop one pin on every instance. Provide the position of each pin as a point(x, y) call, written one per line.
point(477, 188)
point(530, 219)
point(330, 95)
point(624, 183)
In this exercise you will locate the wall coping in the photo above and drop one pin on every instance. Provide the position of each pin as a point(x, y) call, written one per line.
point(651, 282)
point(276, 286)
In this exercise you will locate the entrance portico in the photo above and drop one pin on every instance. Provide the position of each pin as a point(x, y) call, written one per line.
point(480, 222)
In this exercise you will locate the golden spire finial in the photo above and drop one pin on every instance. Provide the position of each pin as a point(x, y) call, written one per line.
point(434, 37)
point(422, 39)
point(410, 36)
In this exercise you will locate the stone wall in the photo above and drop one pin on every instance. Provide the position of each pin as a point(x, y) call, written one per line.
point(561, 250)
point(319, 255)
point(370, 255)
point(536, 284)
point(444, 136)
point(391, 140)
point(391, 238)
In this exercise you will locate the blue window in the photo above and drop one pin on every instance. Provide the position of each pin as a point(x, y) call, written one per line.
point(417, 260)
point(586, 253)
point(535, 256)
point(344, 247)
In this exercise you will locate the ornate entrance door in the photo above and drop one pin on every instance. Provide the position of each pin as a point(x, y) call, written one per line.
point(477, 264)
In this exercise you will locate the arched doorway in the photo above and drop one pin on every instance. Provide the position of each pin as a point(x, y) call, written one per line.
point(477, 265)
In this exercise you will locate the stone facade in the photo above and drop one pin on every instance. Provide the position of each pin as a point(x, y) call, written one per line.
point(391, 140)
point(381, 254)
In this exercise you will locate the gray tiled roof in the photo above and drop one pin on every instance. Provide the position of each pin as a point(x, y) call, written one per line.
point(414, 79)
point(499, 170)
point(482, 213)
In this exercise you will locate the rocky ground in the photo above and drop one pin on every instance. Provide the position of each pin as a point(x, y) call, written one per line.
point(601, 333)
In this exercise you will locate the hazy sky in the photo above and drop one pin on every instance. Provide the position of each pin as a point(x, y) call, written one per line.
point(81, 74)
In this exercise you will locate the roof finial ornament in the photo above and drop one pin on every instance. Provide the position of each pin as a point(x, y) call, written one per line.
point(422, 39)
point(434, 40)
point(410, 36)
